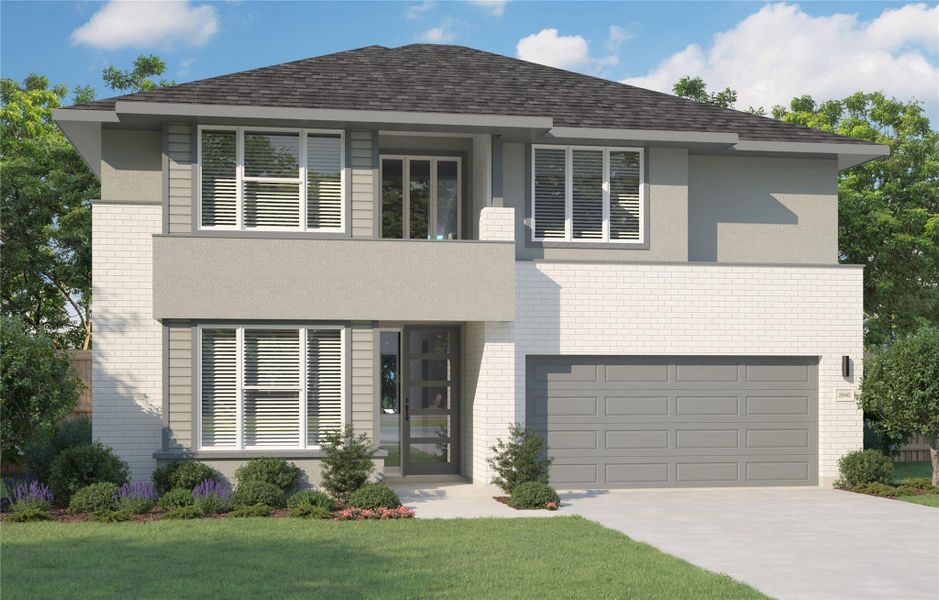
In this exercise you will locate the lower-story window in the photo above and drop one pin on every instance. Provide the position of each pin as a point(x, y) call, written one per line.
point(270, 387)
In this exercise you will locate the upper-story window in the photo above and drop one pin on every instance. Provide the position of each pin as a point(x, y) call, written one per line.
point(271, 179)
point(587, 194)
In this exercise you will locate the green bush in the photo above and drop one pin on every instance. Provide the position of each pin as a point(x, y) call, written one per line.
point(96, 497)
point(521, 458)
point(310, 511)
point(310, 498)
point(111, 516)
point(374, 495)
point(185, 475)
point(533, 494)
point(923, 483)
point(27, 515)
point(135, 506)
point(900, 389)
point(861, 467)
point(39, 454)
point(37, 385)
point(347, 462)
point(213, 504)
point(258, 492)
point(177, 498)
point(877, 489)
point(275, 471)
point(251, 510)
point(81, 466)
point(183, 512)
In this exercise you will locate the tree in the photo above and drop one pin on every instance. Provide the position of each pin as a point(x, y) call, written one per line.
point(45, 217)
point(695, 89)
point(138, 79)
point(37, 387)
point(901, 390)
point(888, 208)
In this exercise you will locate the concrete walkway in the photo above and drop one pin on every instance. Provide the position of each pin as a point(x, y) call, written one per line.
point(787, 542)
point(807, 543)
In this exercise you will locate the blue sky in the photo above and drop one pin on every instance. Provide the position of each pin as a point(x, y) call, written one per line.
point(767, 51)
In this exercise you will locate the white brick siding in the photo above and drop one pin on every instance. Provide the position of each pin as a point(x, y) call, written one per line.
point(127, 351)
point(497, 223)
point(673, 309)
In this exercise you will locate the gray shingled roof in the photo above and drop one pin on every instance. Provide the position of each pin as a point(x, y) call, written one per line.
point(456, 79)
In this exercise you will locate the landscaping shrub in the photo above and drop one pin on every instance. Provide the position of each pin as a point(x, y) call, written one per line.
point(178, 498)
point(310, 498)
point(111, 516)
point(275, 471)
point(30, 495)
point(877, 489)
point(96, 497)
point(924, 483)
point(861, 467)
point(136, 498)
point(39, 454)
point(374, 495)
point(78, 467)
point(521, 458)
point(212, 497)
point(310, 511)
point(186, 475)
point(183, 512)
point(27, 515)
point(534, 494)
point(347, 462)
point(258, 492)
point(251, 510)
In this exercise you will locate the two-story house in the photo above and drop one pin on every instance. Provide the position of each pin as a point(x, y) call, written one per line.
point(432, 242)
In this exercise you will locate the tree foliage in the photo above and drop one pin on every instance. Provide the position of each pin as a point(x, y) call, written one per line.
point(45, 216)
point(695, 89)
point(900, 389)
point(888, 208)
point(138, 79)
point(37, 387)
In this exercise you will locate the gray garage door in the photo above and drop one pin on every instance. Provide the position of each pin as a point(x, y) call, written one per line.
point(676, 421)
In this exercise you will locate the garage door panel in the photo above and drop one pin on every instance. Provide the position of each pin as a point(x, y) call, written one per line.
point(641, 427)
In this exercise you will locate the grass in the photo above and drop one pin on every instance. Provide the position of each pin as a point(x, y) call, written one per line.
point(911, 469)
point(924, 500)
point(560, 557)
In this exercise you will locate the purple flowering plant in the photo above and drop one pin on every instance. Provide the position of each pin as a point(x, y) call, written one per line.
point(210, 487)
point(31, 494)
point(136, 490)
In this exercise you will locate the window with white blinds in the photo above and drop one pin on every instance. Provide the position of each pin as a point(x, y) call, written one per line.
point(587, 194)
point(270, 387)
point(271, 179)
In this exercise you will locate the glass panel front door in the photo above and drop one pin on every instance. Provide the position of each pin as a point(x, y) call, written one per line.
point(429, 444)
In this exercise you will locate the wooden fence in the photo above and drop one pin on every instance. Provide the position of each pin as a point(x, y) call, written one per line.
point(916, 450)
point(81, 364)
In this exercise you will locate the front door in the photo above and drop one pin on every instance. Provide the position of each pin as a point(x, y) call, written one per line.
point(429, 444)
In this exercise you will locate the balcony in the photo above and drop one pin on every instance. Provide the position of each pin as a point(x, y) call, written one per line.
point(241, 278)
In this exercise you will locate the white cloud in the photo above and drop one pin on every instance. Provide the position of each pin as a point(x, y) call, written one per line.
point(147, 24)
point(780, 52)
point(617, 37)
point(494, 7)
point(440, 34)
point(563, 51)
point(418, 9)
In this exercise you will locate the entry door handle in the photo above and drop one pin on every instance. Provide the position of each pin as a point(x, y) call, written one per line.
point(407, 409)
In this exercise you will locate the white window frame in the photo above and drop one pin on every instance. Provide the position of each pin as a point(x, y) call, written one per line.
point(301, 181)
point(406, 193)
point(240, 387)
point(569, 195)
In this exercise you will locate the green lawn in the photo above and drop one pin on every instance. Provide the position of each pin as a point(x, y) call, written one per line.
point(911, 469)
point(924, 500)
point(560, 557)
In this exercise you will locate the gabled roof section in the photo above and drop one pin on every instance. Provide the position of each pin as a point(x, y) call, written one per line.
point(459, 80)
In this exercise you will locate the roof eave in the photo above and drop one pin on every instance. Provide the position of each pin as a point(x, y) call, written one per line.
point(848, 154)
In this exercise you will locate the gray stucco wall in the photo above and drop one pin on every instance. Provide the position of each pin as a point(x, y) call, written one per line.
point(667, 208)
point(762, 210)
point(131, 166)
point(246, 277)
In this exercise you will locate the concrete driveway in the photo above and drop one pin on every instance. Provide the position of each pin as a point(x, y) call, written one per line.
point(787, 542)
